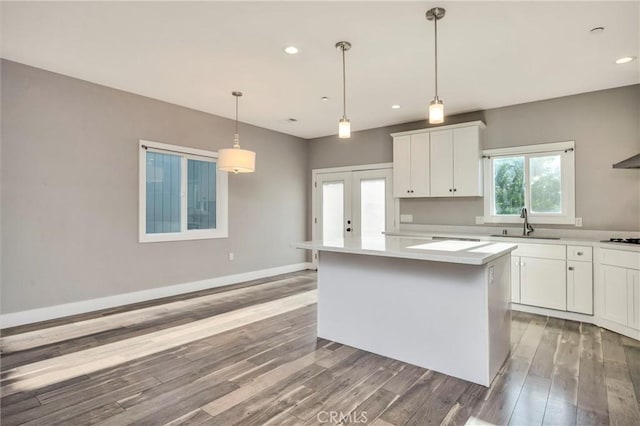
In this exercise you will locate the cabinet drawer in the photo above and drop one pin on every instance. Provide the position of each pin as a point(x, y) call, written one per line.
point(542, 251)
point(623, 259)
point(582, 253)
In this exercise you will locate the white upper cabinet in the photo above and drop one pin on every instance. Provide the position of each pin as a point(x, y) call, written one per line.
point(456, 162)
point(411, 165)
point(467, 162)
point(442, 164)
point(451, 166)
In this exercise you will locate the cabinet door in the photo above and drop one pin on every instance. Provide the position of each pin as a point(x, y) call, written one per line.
point(633, 291)
point(402, 166)
point(543, 283)
point(420, 165)
point(442, 163)
point(613, 284)
point(467, 170)
point(515, 279)
point(580, 287)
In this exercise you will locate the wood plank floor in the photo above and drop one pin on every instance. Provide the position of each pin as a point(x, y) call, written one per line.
point(249, 355)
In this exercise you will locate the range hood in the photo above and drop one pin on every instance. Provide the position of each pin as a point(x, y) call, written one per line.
point(629, 163)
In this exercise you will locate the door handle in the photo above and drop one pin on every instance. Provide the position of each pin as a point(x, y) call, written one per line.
point(571, 268)
point(348, 229)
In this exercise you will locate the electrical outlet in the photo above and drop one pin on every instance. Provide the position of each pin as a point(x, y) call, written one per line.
point(231, 256)
point(479, 220)
point(406, 218)
point(578, 222)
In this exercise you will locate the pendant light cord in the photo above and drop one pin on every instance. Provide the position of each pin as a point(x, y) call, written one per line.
point(236, 114)
point(236, 136)
point(435, 22)
point(344, 86)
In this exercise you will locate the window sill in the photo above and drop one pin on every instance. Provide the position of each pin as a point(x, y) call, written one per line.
point(181, 236)
point(543, 220)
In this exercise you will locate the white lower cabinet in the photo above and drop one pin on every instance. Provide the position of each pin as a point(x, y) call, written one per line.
point(543, 282)
point(515, 279)
point(541, 276)
point(538, 275)
point(580, 287)
point(620, 295)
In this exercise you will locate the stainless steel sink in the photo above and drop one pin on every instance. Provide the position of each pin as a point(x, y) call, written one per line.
point(527, 237)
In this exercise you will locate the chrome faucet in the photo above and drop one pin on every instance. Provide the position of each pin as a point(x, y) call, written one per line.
point(527, 228)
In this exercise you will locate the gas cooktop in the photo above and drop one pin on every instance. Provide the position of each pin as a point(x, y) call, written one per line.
point(623, 240)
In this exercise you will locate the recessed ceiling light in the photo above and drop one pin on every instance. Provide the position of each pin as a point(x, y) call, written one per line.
point(596, 30)
point(324, 99)
point(291, 50)
point(292, 120)
point(395, 106)
point(625, 59)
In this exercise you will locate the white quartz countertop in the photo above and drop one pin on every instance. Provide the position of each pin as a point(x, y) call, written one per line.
point(450, 251)
point(519, 240)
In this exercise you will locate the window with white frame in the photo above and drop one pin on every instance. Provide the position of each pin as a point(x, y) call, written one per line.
point(183, 195)
point(540, 178)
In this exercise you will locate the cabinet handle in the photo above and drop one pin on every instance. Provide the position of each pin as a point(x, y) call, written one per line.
point(412, 191)
point(580, 253)
point(571, 268)
point(408, 191)
point(454, 190)
point(450, 190)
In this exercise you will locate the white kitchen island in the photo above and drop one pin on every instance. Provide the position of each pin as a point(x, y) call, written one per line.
point(441, 305)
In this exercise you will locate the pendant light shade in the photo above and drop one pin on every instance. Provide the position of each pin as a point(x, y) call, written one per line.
point(436, 107)
point(344, 125)
point(235, 159)
point(344, 128)
point(436, 112)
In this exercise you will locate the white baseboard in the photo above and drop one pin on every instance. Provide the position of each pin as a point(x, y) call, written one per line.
point(553, 313)
point(618, 328)
point(589, 319)
point(58, 311)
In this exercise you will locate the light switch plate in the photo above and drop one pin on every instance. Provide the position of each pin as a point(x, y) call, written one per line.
point(479, 220)
point(406, 218)
point(578, 222)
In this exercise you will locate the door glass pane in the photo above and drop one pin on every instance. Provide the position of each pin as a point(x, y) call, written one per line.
point(201, 194)
point(546, 184)
point(163, 193)
point(332, 210)
point(508, 185)
point(372, 207)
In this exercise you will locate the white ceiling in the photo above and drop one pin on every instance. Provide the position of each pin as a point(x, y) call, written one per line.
point(194, 54)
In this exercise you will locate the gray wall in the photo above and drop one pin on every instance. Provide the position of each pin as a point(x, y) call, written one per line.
point(605, 126)
point(70, 193)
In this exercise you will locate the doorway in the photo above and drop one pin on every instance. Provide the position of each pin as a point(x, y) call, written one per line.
point(352, 202)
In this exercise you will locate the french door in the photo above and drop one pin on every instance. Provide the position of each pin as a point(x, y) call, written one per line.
point(348, 204)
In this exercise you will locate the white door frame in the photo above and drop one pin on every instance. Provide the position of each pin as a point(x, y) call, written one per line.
point(314, 204)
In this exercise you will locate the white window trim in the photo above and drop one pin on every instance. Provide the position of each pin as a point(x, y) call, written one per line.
point(222, 188)
point(566, 150)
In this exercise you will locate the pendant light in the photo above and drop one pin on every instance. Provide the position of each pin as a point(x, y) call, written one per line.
point(344, 125)
point(235, 159)
point(436, 107)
